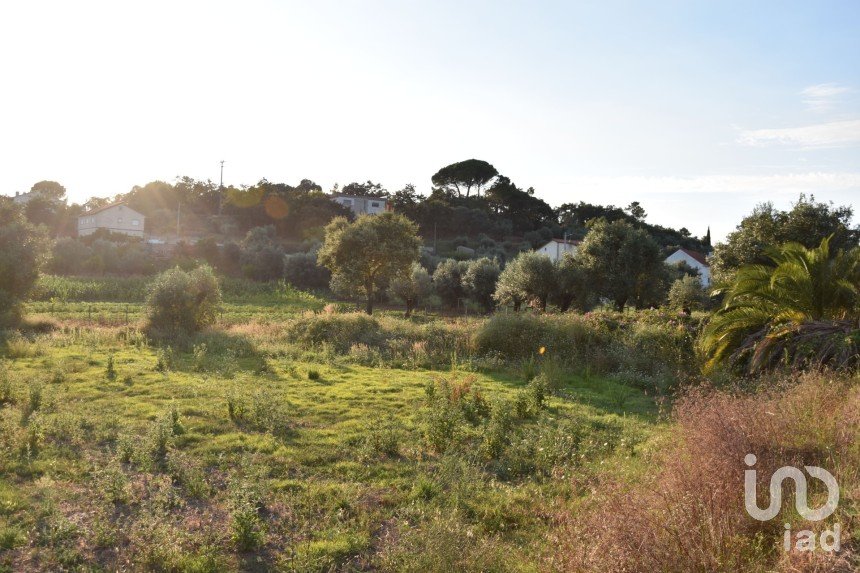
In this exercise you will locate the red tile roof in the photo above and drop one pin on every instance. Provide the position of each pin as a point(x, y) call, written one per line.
point(697, 256)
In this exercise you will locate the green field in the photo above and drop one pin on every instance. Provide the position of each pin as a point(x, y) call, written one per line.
point(242, 448)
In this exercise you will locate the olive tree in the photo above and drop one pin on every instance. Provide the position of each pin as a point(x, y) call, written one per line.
point(23, 252)
point(448, 281)
point(687, 293)
point(366, 254)
point(479, 281)
point(572, 288)
point(530, 278)
point(183, 301)
point(411, 287)
point(623, 264)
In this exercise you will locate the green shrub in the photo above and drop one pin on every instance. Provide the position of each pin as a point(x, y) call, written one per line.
point(382, 439)
point(687, 293)
point(520, 336)
point(164, 359)
point(497, 434)
point(183, 301)
point(23, 250)
point(538, 391)
point(341, 331)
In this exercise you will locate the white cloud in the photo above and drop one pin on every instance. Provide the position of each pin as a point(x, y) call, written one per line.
point(823, 97)
point(832, 134)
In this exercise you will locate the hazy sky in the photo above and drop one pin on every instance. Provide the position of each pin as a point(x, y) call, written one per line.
point(699, 110)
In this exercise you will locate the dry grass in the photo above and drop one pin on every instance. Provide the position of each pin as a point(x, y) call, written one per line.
point(689, 515)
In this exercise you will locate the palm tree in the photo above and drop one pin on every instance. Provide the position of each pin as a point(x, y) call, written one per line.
point(802, 310)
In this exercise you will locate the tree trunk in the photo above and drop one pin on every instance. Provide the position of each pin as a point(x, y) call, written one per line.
point(517, 305)
point(543, 304)
point(369, 287)
point(619, 304)
point(410, 306)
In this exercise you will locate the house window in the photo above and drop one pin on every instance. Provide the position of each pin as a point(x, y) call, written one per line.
point(374, 204)
point(347, 201)
point(135, 222)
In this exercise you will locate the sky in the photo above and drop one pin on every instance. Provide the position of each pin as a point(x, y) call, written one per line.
point(698, 110)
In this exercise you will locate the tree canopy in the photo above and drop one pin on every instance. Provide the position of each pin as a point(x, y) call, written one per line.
point(23, 251)
point(367, 254)
point(806, 223)
point(623, 264)
point(799, 309)
point(462, 177)
point(529, 278)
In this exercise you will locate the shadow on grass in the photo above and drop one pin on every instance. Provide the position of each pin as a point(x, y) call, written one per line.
point(210, 350)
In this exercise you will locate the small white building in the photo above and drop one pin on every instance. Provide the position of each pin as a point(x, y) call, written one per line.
point(24, 198)
point(363, 205)
point(557, 247)
point(694, 259)
point(116, 218)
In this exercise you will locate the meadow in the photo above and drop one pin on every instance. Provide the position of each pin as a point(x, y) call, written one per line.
point(295, 435)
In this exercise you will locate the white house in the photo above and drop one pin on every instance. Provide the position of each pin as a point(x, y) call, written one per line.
point(116, 218)
point(24, 198)
point(557, 247)
point(694, 259)
point(363, 205)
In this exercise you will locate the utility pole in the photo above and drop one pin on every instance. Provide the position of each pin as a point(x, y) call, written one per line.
point(178, 212)
point(221, 190)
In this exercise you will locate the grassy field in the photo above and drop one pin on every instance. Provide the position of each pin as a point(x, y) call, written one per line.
point(241, 449)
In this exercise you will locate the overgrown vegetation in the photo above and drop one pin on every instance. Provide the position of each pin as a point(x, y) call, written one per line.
point(182, 301)
point(158, 427)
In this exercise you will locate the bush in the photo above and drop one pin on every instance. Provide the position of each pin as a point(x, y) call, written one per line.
point(262, 258)
point(183, 301)
point(520, 336)
point(341, 331)
point(688, 294)
point(302, 271)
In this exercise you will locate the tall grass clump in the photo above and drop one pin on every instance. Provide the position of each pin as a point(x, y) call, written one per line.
point(689, 514)
point(183, 302)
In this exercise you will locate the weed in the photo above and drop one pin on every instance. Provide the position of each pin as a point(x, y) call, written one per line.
point(164, 359)
point(7, 394)
point(497, 434)
point(110, 371)
point(248, 530)
point(382, 439)
point(200, 352)
point(539, 390)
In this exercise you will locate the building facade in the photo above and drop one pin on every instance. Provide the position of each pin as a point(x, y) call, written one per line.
point(558, 247)
point(363, 205)
point(695, 259)
point(116, 218)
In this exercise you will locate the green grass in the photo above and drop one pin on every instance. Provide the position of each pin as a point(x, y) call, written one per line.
point(323, 465)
